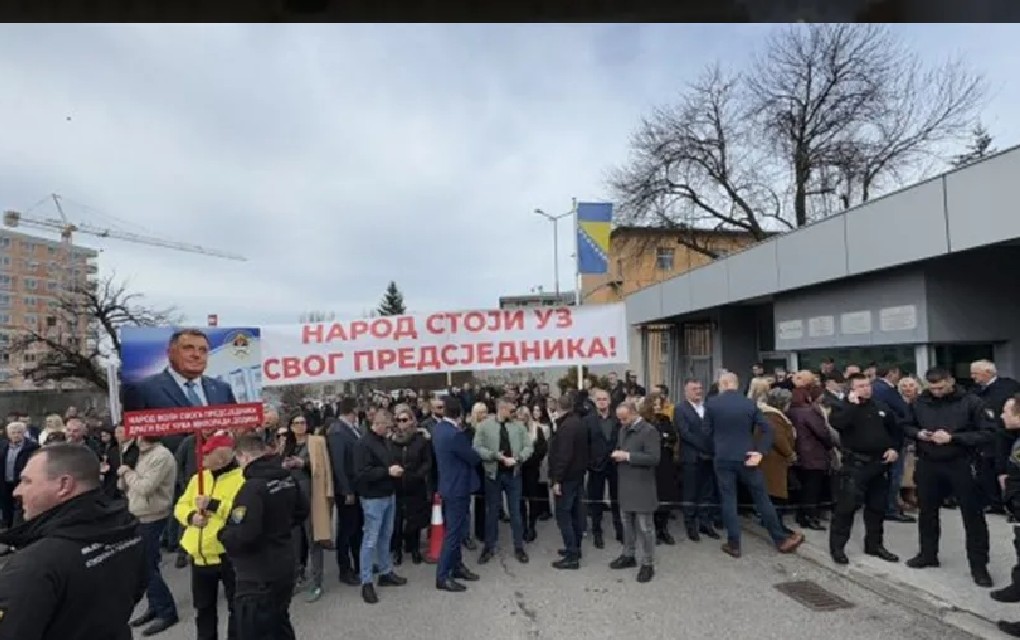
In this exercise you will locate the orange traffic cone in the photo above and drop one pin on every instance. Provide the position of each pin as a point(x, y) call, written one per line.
point(437, 531)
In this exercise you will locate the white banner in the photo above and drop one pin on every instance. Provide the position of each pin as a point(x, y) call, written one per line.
point(444, 341)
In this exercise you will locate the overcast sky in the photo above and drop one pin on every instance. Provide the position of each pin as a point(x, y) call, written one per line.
point(338, 158)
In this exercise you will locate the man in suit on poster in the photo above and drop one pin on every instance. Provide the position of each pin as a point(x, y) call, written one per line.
point(182, 383)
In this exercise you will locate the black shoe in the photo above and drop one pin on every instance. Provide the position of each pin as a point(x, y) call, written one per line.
point(450, 585)
point(416, 557)
point(693, 535)
point(503, 517)
point(563, 553)
point(813, 525)
point(619, 537)
point(398, 558)
point(920, 562)
point(1009, 628)
point(159, 625)
point(462, 573)
point(350, 579)
point(839, 556)
point(882, 554)
point(645, 573)
point(597, 540)
point(368, 594)
point(143, 619)
point(981, 577)
point(545, 516)
point(667, 538)
point(710, 532)
point(1010, 594)
point(623, 562)
point(392, 580)
point(566, 563)
point(469, 544)
point(900, 517)
point(181, 561)
point(521, 556)
point(530, 535)
point(487, 554)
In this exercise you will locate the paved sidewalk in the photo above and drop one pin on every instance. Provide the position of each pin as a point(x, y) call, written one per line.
point(947, 592)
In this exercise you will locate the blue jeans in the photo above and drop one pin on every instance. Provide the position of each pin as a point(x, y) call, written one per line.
point(895, 480)
point(728, 473)
point(456, 516)
point(161, 601)
point(375, 540)
point(569, 517)
point(510, 484)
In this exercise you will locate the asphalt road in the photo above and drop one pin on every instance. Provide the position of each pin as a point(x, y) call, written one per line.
point(697, 593)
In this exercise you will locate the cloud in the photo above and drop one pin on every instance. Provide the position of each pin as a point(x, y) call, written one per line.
point(338, 158)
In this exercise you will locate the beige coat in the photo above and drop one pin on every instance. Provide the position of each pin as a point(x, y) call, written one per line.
point(150, 485)
point(322, 490)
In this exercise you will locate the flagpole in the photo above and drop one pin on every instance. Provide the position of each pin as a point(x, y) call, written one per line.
point(577, 279)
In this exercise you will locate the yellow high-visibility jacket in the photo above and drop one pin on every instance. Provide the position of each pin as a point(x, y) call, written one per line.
point(202, 544)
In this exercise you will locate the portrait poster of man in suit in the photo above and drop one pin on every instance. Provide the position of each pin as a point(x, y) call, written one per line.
point(180, 368)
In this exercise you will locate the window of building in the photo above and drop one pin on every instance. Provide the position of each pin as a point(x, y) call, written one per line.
point(5, 318)
point(5, 242)
point(28, 358)
point(5, 339)
point(31, 284)
point(5, 301)
point(664, 257)
point(902, 356)
point(51, 321)
point(32, 320)
point(53, 304)
point(4, 376)
point(6, 282)
point(51, 250)
point(5, 357)
point(31, 301)
point(51, 286)
point(5, 261)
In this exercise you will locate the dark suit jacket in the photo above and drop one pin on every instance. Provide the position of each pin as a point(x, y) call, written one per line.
point(598, 447)
point(730, 419)
point(888, 395)
point(341, 442)
point(457, 460)
point(695, 442)
point(27, 449)
point(161, 391)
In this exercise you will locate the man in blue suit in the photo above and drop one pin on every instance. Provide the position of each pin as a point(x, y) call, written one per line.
point(730, 422)
point(182, 383)
point(883, 389)
point(458, 464)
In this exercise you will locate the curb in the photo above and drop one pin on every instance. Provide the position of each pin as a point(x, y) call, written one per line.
point(903, 594)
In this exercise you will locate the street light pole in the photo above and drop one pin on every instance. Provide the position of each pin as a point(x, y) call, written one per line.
point(556, 245)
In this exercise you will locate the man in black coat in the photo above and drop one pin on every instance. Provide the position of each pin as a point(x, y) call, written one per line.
point(568, 461)
point(991, 462)
point(603, 430)
point(341, 438)
point(80, 566)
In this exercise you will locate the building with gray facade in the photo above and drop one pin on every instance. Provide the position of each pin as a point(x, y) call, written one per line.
point(922, 277)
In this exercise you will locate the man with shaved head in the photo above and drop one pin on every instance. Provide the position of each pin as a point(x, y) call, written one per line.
point(731, 421)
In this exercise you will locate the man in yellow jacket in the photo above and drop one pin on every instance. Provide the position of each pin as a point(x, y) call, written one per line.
point(204, 516)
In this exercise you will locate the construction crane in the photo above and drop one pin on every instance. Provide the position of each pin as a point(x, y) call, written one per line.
point(67, 229)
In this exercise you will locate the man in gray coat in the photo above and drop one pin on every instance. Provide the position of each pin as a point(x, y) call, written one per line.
point(636, 457)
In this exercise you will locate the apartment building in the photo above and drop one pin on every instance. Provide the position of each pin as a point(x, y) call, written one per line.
point(35, 275)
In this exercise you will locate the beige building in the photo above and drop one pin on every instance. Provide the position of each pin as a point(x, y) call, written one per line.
point(35, 275)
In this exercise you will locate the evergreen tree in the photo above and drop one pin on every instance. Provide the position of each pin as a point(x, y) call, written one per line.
point(393, 302)
point(979, 147)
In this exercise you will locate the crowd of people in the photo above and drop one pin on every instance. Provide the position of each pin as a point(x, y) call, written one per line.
point(359, 476)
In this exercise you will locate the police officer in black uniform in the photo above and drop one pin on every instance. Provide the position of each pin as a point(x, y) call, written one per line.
point(870, 438)
point(950, 427)
point(257, 538)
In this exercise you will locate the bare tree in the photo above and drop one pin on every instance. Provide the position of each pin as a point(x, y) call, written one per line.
point(825, 112)
point(72, 343)
point(695, 166)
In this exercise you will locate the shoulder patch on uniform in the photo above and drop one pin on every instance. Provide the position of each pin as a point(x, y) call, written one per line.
point(237, 514)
